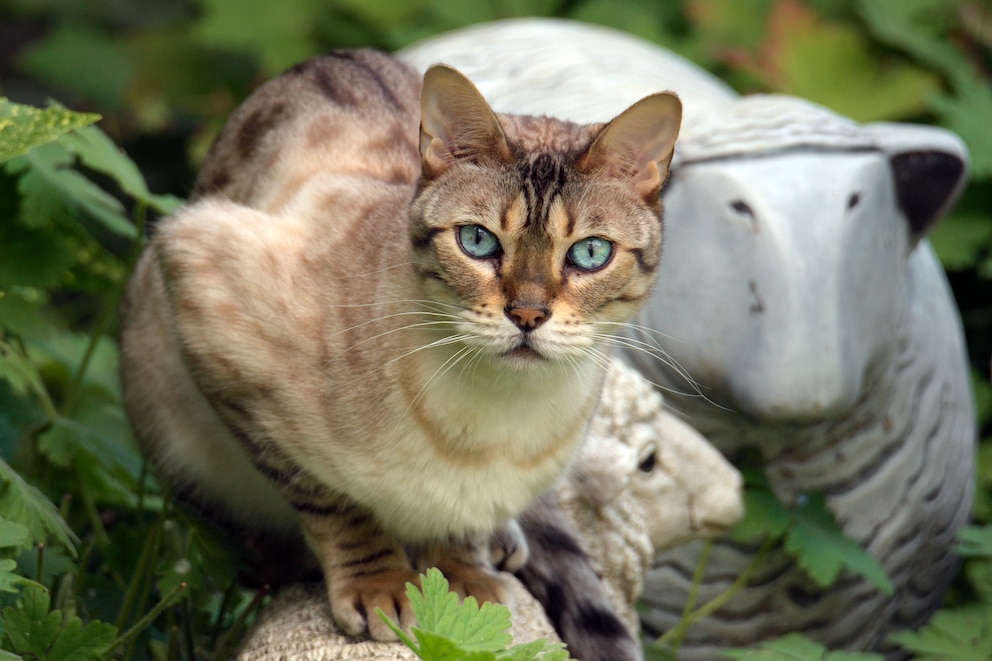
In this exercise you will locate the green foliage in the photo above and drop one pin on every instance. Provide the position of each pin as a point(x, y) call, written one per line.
point(796, 647)
point(808, 533)
point(164, 75)
point(450, 631)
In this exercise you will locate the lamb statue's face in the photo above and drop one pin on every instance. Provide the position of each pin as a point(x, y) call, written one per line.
point(782, 278)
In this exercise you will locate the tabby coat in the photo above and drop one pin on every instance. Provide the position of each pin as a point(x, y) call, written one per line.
point(382, 322)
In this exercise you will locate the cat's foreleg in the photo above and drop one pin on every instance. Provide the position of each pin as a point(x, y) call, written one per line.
point(364, 568)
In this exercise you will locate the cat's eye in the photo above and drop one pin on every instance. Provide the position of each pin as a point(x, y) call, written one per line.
point(478, 242)
point(590, 254)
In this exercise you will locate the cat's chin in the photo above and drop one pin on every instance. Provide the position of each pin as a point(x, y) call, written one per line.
point(524, 356)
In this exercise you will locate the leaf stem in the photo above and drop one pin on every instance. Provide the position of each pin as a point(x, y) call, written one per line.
point(674, 636)
point(220, 652)
point(169, 599)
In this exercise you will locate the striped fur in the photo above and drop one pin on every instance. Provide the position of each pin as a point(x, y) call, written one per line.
point(311, 346)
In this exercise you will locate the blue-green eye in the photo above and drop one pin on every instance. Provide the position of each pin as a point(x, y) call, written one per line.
point(477, 241)
point(590, 254)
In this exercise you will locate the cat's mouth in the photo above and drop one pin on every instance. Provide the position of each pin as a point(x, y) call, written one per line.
point(524, 352)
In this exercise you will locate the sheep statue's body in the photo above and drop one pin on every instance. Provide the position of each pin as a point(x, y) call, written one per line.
point(798, 291)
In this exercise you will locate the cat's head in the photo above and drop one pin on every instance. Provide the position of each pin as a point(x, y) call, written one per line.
point(543, 235)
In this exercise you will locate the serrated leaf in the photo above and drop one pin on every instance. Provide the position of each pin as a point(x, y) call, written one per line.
point(23, 503)
point(764, 516)
point(821, 549)
point(536, 649)
point(9, 579)
point(13, 534)
point(97, 151)
point(82, 643)
point(29, 626)
point(473, 629)
point(47, 173)
point(23, 127)
point(435, 647)
point(963, 634)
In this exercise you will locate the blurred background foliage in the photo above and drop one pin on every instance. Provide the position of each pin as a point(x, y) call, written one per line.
point(164, 74)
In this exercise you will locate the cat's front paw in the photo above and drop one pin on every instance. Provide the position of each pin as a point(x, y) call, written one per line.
point(479, 582)
point(354, 600)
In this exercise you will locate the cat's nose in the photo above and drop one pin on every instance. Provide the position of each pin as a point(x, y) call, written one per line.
point(528, 317)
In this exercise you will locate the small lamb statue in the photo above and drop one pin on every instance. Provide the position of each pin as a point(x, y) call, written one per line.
point(644, 481)
point(799, 310)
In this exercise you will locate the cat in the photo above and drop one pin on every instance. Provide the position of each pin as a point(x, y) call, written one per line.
point(382, 321)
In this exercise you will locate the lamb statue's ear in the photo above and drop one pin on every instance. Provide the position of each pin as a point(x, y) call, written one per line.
point(929, 166)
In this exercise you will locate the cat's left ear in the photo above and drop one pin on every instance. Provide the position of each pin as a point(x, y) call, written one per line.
point(637, 146)
point(456, 123)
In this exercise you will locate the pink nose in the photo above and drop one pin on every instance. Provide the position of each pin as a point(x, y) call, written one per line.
point(528, 318)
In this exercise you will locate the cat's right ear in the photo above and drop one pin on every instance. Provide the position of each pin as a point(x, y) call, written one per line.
point(456, 123)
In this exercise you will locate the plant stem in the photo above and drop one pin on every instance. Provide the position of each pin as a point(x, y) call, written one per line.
point(693, 595)
point(169, 599)
point(141, 572)
point(220, 652)
point(674, 636)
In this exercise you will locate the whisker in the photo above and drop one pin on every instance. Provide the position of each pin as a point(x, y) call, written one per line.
point(443, 369)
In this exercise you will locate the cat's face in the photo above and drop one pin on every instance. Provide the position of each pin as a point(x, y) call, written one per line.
point(538, 236)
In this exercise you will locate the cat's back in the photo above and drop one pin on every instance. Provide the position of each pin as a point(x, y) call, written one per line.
point(348, 113)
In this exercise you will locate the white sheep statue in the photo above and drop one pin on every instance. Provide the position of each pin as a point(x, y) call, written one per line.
point(644, 481)
point(798, 293)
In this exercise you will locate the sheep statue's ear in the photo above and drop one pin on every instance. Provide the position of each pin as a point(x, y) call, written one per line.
point(929, 167)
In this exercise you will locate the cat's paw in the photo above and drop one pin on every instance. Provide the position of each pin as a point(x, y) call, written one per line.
point(475, 581)
point(508, 549)
point(354, 600)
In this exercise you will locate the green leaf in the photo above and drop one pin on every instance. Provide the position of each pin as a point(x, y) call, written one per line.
point(99, 152)
point(821, 548)
point(23, 503)
point(46, 173)
point(764, 516)
point(30, 626)
point(82, 643)
point(449, 631)
point(13, 534)
point(796, 647)
point(975, 542)
point(23, 127)
point(437, 611)
point(9, 578)
point(963, 634)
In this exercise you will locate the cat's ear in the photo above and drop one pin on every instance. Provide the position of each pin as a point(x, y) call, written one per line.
point(637, 146)
point(456, 123)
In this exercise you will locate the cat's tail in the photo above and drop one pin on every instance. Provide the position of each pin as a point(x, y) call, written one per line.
point(560, 576)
